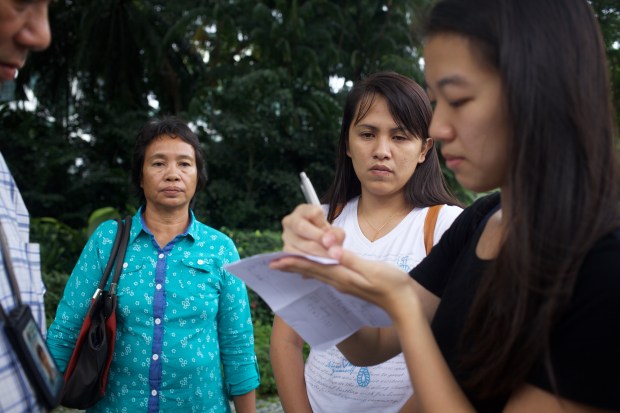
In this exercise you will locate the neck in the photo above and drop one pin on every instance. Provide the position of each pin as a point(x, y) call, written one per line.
point(165, 225)
point(377, 216)
point(380, 205)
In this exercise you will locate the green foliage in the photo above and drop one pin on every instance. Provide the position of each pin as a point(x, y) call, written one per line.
point(253, 77)
point(60, 246)
point(99, 216)
point(254, 242)
point(55, 282)
point(608, 13)
point(251, 243)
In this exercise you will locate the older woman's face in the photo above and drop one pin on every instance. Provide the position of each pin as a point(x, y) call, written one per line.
point(169, 173)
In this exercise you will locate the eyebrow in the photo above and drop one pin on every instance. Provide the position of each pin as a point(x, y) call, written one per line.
point(455, 80)
point(374, 128)
point(164, 155)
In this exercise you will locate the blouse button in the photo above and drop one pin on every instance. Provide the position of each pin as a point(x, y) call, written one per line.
point(153, 392)
point(161, 256)
point(158, 321)
point(155, 357)
point(200, 262)
point(125, 265)
point(158, 286)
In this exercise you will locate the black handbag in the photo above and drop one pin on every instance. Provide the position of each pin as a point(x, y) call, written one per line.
point(87, 372)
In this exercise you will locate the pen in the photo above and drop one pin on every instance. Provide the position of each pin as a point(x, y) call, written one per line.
point(308, 190)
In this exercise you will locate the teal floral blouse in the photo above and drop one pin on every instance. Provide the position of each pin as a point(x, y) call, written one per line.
point(184, 331)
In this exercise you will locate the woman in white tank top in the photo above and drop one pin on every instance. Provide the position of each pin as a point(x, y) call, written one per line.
point(387, 175)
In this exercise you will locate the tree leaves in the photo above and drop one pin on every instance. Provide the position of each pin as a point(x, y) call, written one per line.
point(251, 76)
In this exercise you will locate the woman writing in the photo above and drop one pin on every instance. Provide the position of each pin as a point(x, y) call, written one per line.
point(516, 309)
point(180, 316)
point(387, 175)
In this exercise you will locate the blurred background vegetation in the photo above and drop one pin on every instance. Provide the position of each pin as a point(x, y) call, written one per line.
point(261, 81)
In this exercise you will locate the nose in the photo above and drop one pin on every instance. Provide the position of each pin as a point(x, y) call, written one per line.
point(35, 35)
point(382, 148)
point(440, 129)
point(172, 173)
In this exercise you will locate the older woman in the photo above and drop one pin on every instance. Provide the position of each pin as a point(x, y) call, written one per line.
point(181, 316)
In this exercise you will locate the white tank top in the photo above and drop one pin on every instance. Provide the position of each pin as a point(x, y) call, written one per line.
point(335, 385)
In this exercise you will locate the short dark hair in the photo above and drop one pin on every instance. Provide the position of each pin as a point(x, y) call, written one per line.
point(173, 127)
point(411, 109)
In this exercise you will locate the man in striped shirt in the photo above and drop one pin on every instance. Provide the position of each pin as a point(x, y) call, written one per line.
point(23, 27)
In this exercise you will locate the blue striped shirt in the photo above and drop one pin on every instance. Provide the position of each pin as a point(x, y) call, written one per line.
point(16, 395)
point(181, 320)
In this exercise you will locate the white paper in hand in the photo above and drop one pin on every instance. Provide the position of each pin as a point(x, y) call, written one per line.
point(320, 314)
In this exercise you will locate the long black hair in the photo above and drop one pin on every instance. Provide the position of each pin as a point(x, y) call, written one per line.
point(411, 109)
point(562, 173)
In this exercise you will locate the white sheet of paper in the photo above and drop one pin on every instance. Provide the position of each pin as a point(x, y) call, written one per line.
point(320, 314)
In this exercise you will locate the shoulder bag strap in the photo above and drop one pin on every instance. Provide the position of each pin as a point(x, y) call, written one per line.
point(429, 226)
point(120, 256)
point(8, 266)
point(113, 252)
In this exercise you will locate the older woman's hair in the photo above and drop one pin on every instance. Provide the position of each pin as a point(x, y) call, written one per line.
point(173, 127)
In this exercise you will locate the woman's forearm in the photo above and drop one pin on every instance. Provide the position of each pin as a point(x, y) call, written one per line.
point(370, 346)
point(245, 403)
point(287, 362)
point(435, 387)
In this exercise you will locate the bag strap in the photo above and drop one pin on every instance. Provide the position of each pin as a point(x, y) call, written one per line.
point(10, 272)
point(113, 252)
point(120, 244)
point(122, 249)
point(429, 226)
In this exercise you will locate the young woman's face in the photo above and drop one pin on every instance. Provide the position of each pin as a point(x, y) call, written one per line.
point(169, 173)
point(470, 118)
point(384, 156)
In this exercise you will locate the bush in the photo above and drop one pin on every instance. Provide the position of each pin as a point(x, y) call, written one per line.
point(254, 242)
point(55, 282)
point(60, 244)
point(251, 243)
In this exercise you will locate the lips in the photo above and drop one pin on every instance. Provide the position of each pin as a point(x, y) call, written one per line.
point(380, 168)
point(453, 162)
point(8, 71)
point(172, 190)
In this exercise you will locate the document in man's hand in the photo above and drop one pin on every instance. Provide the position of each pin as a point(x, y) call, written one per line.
point(319, 313)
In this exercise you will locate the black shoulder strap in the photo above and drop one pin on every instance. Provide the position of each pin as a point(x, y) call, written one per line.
point(113, 252)
point(122, 249)
point(8, 266)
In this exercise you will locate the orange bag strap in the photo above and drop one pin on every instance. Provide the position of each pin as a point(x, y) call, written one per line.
point(429, 226)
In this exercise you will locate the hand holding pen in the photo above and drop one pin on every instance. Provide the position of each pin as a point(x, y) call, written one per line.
point(308, 190)
point(306, 230)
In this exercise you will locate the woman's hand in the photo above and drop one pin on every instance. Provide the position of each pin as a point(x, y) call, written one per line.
point(305, 231)
point(379, 283)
